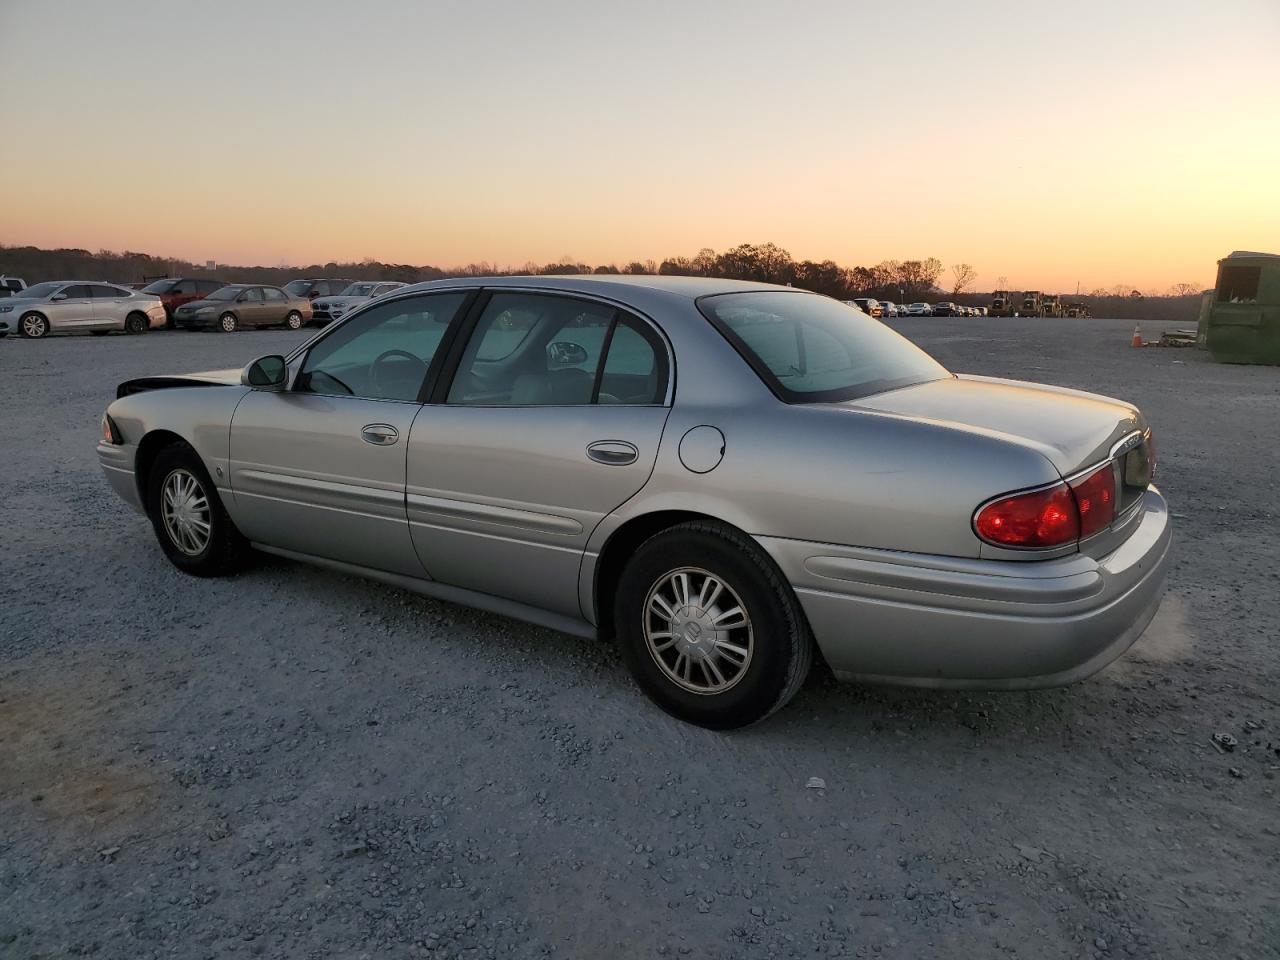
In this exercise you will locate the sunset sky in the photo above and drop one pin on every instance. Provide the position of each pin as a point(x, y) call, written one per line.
point(1092, 142)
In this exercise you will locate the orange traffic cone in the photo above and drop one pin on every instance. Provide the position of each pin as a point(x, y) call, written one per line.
point(1137, 336)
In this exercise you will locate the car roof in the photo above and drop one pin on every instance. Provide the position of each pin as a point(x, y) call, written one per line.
point(609, 284)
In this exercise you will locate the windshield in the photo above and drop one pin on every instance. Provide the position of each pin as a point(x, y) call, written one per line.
point(225, 293)
point(41, 290)
point(808, 348)
point(160, 286)
point(359, 290)
point(298, 288)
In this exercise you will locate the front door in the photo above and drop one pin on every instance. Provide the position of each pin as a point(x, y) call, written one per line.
point(74, 310)
point(320, 468)
point(551, 421)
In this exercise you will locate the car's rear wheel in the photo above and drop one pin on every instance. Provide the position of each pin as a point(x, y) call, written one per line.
point(227, 323)
point(34, 326)
point(294, 320)
point(193, 527)
point(709, 629)
point(137, 323)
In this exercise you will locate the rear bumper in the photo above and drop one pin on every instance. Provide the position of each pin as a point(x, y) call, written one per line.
point(918, 620)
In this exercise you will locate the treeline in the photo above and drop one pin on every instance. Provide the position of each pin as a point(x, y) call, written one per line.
point(902, 281)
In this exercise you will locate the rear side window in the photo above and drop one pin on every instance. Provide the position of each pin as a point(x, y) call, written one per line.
point(809, 348)
point(546, 350)
point(273, 294)
point(100, 291)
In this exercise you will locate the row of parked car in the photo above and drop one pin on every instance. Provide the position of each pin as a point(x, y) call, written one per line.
point(887, 308)
point(185, 303)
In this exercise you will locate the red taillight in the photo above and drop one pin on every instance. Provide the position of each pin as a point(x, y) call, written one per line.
point(1096, 500)
point(1044, 518)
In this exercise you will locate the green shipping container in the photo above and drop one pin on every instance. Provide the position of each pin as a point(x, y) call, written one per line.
point(1244, 318)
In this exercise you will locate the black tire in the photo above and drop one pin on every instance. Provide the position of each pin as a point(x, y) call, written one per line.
point(137, 323)
point(294, 320)
point(780, 642)
point(33, 326)
point(225, 551)
point(228, 323)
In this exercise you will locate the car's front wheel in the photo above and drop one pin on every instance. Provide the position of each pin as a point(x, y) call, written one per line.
point(294, 320)
point(34, 326)
point(708, 627)
point(193, 527)
point(227, 323)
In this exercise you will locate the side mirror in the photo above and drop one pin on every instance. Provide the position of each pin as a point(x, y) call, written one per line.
point(564, 353)
point(58, 296)
point(265, 373)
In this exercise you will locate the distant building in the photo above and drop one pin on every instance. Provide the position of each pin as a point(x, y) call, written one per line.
point(210, 265)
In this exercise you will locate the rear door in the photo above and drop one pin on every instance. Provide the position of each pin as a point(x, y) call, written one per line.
point(110, 304)
point(320, 468)
point(551, 421)
point(275, 305)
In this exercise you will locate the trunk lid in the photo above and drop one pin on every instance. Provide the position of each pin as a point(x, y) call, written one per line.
point(1070, 428)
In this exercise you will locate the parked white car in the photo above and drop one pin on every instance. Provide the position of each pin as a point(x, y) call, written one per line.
point(11, 286)
point(67, 306)
point(918, 310)
point(326, 309)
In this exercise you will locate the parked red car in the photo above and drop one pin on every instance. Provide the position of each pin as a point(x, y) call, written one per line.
point(175, 291)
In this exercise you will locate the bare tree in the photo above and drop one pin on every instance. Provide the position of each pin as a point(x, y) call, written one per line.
point(965, 275)
point(1002, 283)
point(1185, 289)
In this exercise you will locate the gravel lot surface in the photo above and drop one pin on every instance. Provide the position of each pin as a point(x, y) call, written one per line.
point(295, 763)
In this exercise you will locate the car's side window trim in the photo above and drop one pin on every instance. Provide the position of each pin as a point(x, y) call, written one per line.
point(440, 392)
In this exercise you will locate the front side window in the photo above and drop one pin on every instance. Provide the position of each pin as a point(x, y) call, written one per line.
point(548, 350)
point(382, 354)
point(77, 291)
point(252, 295)
point(160, 286)
point(808, 348)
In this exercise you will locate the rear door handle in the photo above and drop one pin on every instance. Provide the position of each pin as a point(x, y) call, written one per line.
point(615, 453)
point(380, 434)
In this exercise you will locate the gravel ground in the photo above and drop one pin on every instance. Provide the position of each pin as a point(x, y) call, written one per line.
point(294, 763)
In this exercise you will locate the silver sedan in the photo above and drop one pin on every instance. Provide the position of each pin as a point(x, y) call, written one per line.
point(79, 305)
point(728, 478)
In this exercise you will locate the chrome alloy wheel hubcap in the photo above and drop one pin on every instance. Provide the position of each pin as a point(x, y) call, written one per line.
point(34, 326)
point(697, 630)
point(185, 510)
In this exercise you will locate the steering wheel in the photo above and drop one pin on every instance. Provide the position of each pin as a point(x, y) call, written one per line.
point(387, 355)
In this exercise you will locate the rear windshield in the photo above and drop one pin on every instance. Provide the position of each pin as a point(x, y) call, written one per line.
point(811, 349)
point(160, 286)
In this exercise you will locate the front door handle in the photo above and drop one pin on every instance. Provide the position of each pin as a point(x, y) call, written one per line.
point(380, 434)
point(615, 453)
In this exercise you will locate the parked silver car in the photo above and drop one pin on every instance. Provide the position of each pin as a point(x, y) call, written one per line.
point(68, 305)
point(327, 309)
point(918, 310)
point(728, 477)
